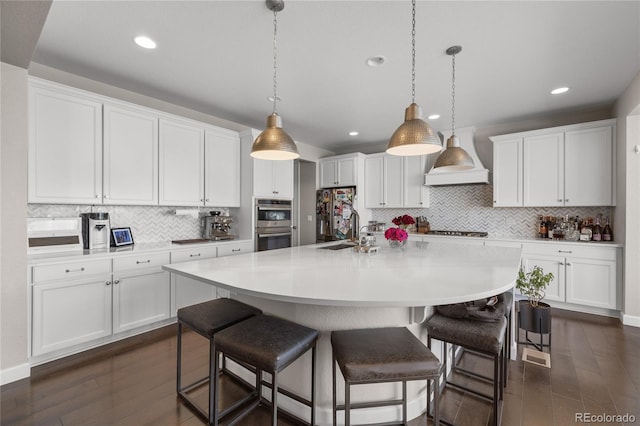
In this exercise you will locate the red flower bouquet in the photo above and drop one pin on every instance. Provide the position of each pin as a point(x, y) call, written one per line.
point(404, 220)
point(396, 234)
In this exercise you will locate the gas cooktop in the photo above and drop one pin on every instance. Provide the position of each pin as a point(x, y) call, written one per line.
point(459, 233)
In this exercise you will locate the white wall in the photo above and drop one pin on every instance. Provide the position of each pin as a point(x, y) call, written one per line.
point(13, 225)
point(627, 111)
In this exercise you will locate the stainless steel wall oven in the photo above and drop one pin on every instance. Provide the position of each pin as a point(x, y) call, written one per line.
point(273, 224)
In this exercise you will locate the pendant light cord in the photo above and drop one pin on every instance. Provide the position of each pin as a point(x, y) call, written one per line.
point(453, 94)
point(275, 60)
point(413, 52)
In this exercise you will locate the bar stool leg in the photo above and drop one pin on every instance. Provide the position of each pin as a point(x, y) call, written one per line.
point(213, 379)
point(436, 402)
point(496, 385)
point(214, 385)
point(404, 402)
point(347, 404)
point(274, 402)
point(313, 385)
point(179, 366)
point(335, 403)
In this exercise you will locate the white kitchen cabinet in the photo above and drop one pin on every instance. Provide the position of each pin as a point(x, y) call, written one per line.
point(141, 290)
point(181, 168)
point(507, 173)
point(583, 274)
point(186, 291)
point(65, 145)
point(273, 178)
point(340, 170)
point(233, 249)
point(561, 166)
point(130, 156)
point(383, 181)
point(222, 168)
point(416, 194)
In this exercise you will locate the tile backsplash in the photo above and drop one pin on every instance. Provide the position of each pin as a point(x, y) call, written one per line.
point(470, 208)
point(147, 223)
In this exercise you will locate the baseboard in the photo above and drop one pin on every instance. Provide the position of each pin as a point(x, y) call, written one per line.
point(633, 321)
point(13, 374)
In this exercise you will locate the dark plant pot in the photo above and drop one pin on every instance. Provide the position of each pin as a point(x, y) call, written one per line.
point(536, 320)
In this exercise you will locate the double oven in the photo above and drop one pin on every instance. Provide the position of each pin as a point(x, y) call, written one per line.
point(273, 224)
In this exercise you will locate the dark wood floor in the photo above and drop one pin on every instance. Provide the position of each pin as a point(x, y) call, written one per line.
point(595, 369)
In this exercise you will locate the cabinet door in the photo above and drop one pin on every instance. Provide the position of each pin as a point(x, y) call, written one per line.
point(328, 174)
point(70, 312)
point(190, 292)
point(222, 169)
point(181, 164)
point(416, 194)
point(140, 298)
point(374, 182)
point(591, 282)
point(588, 172)
point(283, 178)
point(507, 173)
point(130, 156)
point(65, 148)
point(544, 170)
point(393, 181)
point(347, 172)
point(263, 178)
point(556, 265)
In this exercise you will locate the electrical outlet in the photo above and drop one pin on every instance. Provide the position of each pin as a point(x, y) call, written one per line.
point(309, 218)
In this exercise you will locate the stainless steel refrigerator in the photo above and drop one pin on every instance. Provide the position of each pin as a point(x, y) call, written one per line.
point(336, 219)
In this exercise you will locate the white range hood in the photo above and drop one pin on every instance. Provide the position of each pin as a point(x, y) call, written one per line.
point(476, 175)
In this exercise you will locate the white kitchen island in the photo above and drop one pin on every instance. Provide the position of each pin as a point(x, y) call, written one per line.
point(341, 289)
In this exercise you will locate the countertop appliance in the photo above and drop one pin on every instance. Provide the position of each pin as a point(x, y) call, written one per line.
point(52, 234)
point(217, 227)
point(273, 224)
point(459, 233)
point(96, 232)
point(336, 219)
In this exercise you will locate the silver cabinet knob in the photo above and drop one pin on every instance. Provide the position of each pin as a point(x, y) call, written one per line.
point(108, 283)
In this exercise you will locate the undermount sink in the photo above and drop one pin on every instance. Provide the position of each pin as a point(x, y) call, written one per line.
point(338, 246)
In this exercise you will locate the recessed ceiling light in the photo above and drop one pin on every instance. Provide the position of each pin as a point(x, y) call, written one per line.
point(559, 90)
point(146, 42)
point(433, 116)
point(376, 61)
point(270, 98)
point(353, 133)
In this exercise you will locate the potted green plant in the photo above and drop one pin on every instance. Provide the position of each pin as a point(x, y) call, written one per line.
point(533, 315)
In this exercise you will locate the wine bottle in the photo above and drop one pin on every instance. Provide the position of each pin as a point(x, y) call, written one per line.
point(542, 228)
point(607, 235)
point(597, 230)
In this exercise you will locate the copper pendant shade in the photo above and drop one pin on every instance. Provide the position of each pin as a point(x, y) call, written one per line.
point(274, 143)
point(453, 158)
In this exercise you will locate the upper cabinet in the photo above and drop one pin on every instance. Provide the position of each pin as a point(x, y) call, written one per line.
point(181, 163)
point(130, 156)
point(416, 194)
point(65, 146)
point(563, 166)
point(392, 181)
point(340, 170)
point(91, 149)
point(273, 178)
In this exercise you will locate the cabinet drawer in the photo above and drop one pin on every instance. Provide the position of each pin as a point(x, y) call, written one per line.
point(233, 249)
point(42, 273)
point(588, 251)
point(141, 261)
point(193, 254)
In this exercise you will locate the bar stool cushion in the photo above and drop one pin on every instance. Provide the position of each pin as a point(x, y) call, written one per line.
point(479, 335)
point(507, 298)
point(210, 317)
point(266, 342)
point(382, 354)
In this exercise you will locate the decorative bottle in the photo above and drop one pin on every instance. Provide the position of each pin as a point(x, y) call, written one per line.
point(607, 235)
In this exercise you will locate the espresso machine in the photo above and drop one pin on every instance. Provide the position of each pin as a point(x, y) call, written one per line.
point(217, 227)
point(95, 231)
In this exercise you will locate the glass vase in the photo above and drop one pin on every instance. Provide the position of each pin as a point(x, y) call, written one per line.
point(397, 244)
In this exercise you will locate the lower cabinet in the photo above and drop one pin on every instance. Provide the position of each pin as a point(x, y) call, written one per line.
point(187, 291)
point(140, 298)
point(583, 274)
point(67, 313)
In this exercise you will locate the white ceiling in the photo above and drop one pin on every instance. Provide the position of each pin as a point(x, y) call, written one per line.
point(216, 57)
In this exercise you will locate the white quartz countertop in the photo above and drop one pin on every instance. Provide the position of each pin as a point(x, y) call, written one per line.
point(421, 274)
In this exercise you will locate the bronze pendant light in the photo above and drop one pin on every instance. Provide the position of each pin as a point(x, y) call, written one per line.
point(274, 143)
point(414, 136)
point(453, 158)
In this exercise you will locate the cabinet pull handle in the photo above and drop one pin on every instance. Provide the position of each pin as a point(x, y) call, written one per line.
point(143, 261)
point(108, 283)
point(235, 249)
point(560, 263)
point(565, 251)
point(559, 200)
point(206, 199)
point(74, 270)
point(566, 200)
point(194, 255)
point(568, 264)
point(106, 196)
point(116, 282)
point(97, 196)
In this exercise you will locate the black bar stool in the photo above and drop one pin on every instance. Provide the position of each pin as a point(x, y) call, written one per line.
point(381, 355)
point(207, 319)
point(268, 344)
point(507, 299)
point(486, 338)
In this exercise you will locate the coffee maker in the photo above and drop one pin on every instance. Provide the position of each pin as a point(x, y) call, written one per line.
point(95, 230)
point(217, 227)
